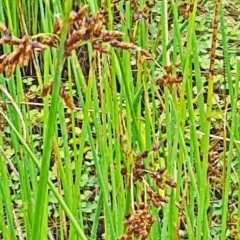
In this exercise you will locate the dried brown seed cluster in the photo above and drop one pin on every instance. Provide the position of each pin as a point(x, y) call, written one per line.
point(143, 14)
point(187, 7)
point(139, 169)
point(3, 107)
point(47, 88)
point(82, 27)
point(168, 79)
point(19, 56)
point(155, 198)
point(160, 176)
point(138, 223)
point(214, 170)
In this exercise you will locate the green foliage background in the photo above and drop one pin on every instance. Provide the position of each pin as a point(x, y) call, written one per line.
point(72, 176)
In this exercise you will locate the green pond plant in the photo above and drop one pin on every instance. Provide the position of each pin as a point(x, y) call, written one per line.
point(119, 120)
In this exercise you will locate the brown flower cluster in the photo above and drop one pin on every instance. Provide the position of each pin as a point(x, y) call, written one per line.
point(187, 7)
point(155, 198)
point(214, 169)
point(143, 14)
point(89, 27)
point(21, 54)
point(139, 14)
point(3, 107)
point(47, 88)
point(160, 176)
point(161, 179)
point(139, 169)
point(138, 223)
point(81, 27)
point(168, 79)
